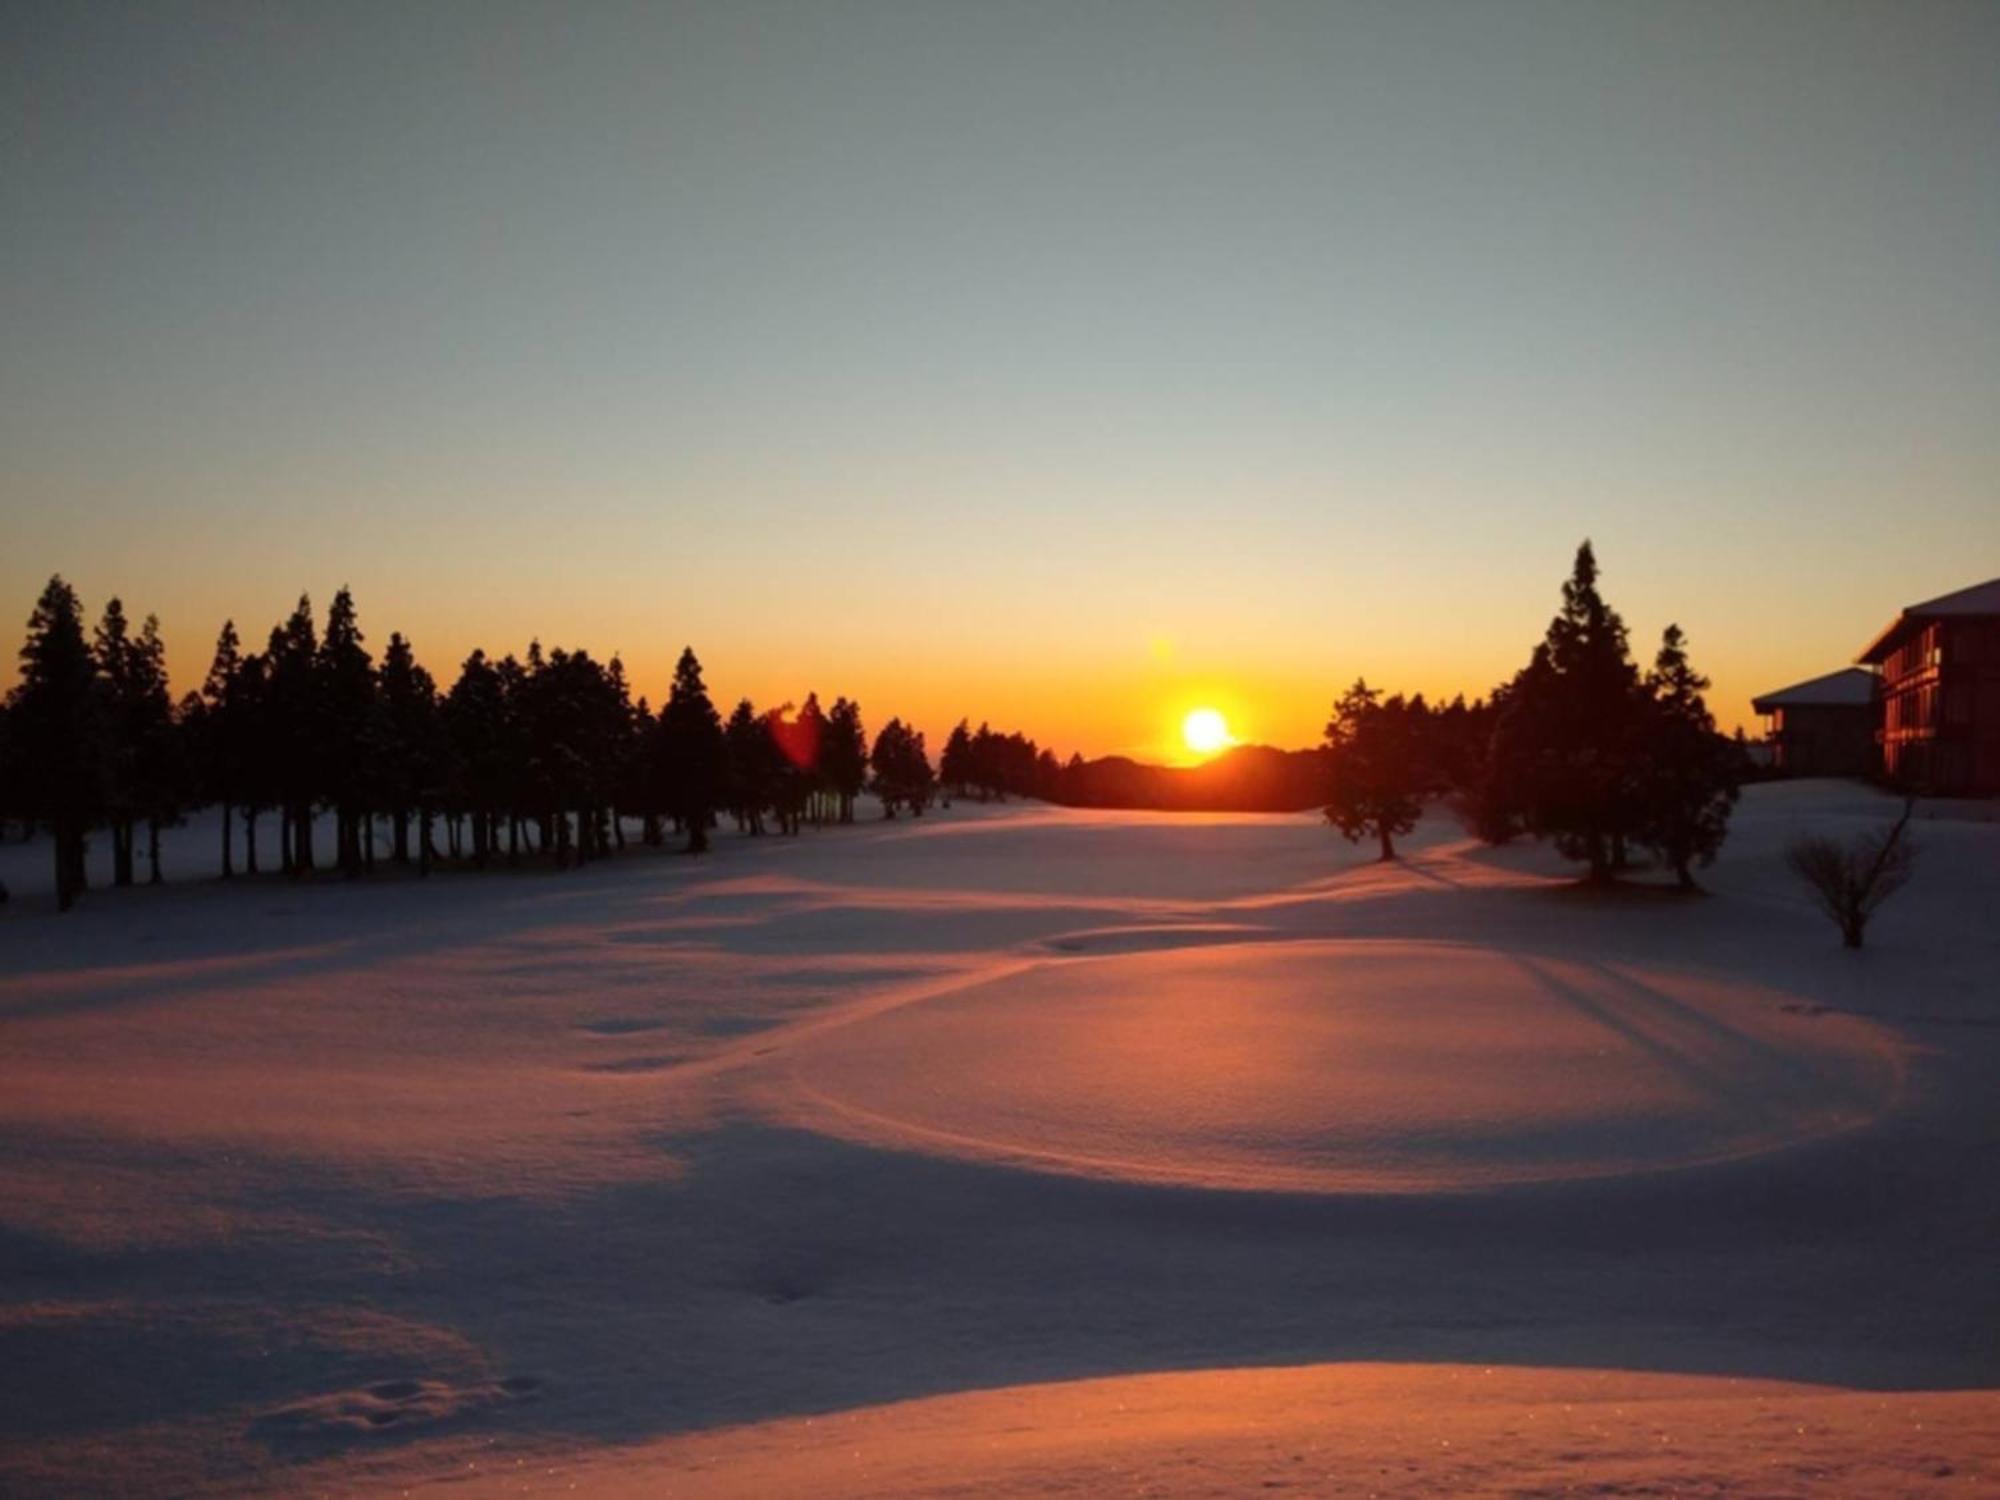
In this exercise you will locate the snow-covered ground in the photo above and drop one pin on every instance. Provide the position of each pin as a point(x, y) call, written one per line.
point(1008, 1150)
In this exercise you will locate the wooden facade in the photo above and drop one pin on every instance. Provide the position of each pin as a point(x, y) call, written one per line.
point(1824, 727)
point(1940, 665)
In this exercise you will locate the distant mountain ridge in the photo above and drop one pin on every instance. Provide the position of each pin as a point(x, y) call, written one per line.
point(1248, 778)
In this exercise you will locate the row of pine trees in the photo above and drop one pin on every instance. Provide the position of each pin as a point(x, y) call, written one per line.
point(548, 755)
point(1580, 747)
point(545, 755)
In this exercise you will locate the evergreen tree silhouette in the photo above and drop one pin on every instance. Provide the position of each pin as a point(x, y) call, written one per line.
point(344, 709)
point(955, 764)
point(623, 728)
point(137, 714)
point(223, 744)
point(476, 715)
point(844, 760)
point(550, 745)
point(793, 741)
point(1048, 776)
point(253, 729)
point(159, 764)
point(112, 646)
point(516, 753)
point(293, 657)
point(691, 753)
point(56, 734)
point(809, 730)
point(1376, 766)
point(1690, 774)
point(750, 766)
point(903, 776)
point(410, 747)
point(1565, 748)
point(643, 799)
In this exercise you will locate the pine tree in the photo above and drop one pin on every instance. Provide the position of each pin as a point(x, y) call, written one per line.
point(138, 719)
point(955, 764)
point(518, 758)
point(344, 676)
point(1564, 751)
point(252, 731)
point(295, 722)
point(903, 776)
point(794, 741)
point(844, 757)
point(1690, 774)
point(409, 745)
point(160, 771)
point(690, 753)
point(1377, 767)
point(56, 734)
point(221, 699)
point(807, 752)
point(112, 646)
point(622, 769)
point(749, 758)
point(475, 714)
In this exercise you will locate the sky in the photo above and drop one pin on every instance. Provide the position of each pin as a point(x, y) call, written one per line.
point(1066, 365)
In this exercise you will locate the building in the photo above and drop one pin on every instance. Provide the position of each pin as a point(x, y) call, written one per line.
point(1824, 727)
point(1940, 664)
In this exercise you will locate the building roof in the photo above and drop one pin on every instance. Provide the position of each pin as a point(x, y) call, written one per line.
point(1850, 687)
point(1980, 599)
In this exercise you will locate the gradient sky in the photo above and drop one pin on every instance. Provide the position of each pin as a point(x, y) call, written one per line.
point(1062, 364)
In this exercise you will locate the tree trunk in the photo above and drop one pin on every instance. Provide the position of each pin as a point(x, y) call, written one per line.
point(1600, 860)
point(250, 841)
point(121, 851)
point(228, 839)
point(60, 837)
point(402, 850)
point(153, 876)
point(1388, 848)
point(1850, 931)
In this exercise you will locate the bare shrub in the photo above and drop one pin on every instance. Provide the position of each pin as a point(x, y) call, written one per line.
point(1851, 878)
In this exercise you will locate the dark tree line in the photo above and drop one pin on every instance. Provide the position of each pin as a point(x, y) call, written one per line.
point(1580, 747)
point(984, 764)
point(546, 755)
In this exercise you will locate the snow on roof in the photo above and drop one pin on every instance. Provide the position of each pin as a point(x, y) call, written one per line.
point(1850, 687)
point(1979, 599)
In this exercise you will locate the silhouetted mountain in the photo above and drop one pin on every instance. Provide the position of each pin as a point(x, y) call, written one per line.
point(1249, 778)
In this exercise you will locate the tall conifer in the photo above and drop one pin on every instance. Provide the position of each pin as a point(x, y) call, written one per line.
point(56, 733)
point(691, 752)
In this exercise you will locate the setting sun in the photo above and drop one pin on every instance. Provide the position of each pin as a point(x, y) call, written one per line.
point(1206, 732)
